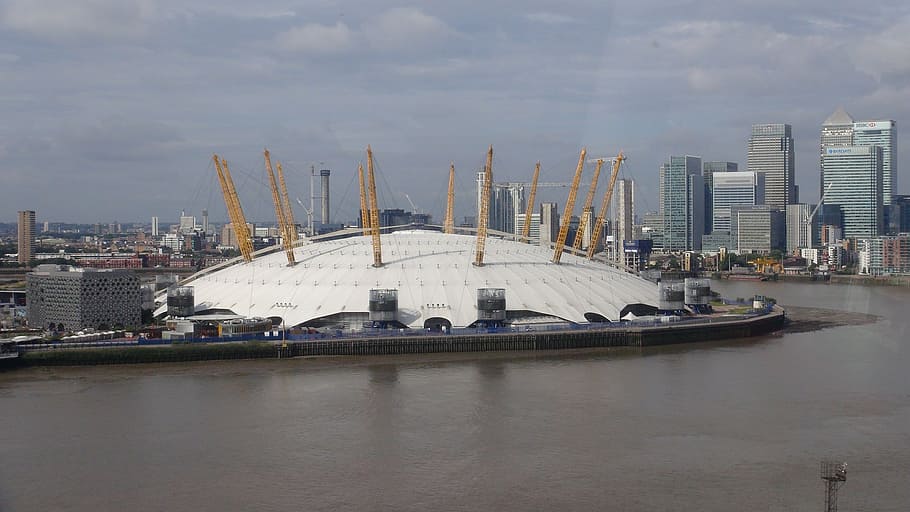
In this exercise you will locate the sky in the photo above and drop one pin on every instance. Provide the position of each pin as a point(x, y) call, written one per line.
point(112, 109)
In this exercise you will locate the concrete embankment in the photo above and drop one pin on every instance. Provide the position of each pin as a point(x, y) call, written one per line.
point(649, 336)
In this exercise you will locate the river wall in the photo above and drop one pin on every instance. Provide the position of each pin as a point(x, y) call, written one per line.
point(649, 336)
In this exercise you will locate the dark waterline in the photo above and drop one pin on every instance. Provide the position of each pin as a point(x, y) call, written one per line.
point(719, 426)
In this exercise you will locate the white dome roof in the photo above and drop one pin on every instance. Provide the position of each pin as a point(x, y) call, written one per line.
point(433, 274)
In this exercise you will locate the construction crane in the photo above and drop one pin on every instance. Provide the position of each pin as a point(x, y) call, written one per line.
point(288, 212)
point(834, 474)
point(819, 205)
point(586, 210)
point(364, 212)
point(604, 206)
point(279, 209)
point(484, 215)
point(374, 211)
point(309, 212)
point(448, 224)
point(235, 212)
point(570, 206)
point(526, 229)
point(414, 207)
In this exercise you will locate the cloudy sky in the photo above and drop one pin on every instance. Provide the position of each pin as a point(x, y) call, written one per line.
point(111, 109)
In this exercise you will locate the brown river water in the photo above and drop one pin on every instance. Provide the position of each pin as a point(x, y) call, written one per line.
point(737, 425)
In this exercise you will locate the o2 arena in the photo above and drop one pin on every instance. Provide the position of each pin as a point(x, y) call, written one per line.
point(427, 280)
point(414, 278)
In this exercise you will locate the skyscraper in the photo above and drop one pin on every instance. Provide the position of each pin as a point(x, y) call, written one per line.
point(837, 131)
point(26, 236)
point(549, 223)
point(734, 189)
point(799, 230)
point(708, 170)
point(506, 201)
point(682, 203)
point(884, 135)
point(154, 226)
point(625, 210)
point(771, 153)
point(855, 176)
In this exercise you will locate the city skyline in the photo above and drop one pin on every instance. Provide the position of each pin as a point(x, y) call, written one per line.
point(153, 88)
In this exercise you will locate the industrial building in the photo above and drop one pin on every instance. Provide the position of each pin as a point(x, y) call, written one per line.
point(72, 298)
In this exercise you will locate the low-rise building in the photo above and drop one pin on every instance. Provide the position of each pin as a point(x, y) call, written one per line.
point(69, 298)
point(884, 255)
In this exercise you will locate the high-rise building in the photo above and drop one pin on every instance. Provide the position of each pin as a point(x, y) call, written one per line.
point(549, 224)
point(187, 224)
point(900, 214)
point(205, 220)
point(771, 153)
point(683, 203)
point(46, 228)
point(533, 230)
point(800, 232)
point(625, 210)
point(759, 229)
point(734, 189)
point(708, 170)
point(324, 175)
point(154, 226)
point(506, 201)
point(26, 239)
point(837, 131)
point(884, 135)
point(855, 176)
point(652, 228)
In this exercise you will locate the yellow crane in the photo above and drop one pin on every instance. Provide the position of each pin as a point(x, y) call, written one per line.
point(364, 212)
point(586, 211)
point(448, 225)
point(374, 211)
point(526, 229)
point(570, 206)
point(288, 212)
point(279, 210)
point(484, 216)
point(599, 223)
point(235, 212)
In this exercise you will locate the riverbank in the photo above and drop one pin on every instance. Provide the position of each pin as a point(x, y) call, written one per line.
point(672, 333)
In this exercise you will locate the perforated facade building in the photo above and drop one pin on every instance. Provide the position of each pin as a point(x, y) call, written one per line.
point(82, 298)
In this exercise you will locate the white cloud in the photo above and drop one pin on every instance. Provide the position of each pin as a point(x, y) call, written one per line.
point(549, 18)
point(885, 51)
point(403, 27)
point(318, 39)
point(62, 19)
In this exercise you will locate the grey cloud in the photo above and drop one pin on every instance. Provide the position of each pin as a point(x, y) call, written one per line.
point(64, 19)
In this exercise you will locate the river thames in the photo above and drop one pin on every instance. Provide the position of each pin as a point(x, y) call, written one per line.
point(737, 425)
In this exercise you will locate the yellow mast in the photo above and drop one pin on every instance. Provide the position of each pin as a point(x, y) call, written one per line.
point(570, 206)
point(364, 212)
point(238, 221)
point(484, 215)
point(374, 211)
point(598, 224)
point(448, 225)
point(526, 229)
point(288, 212)
point(279, 210)
point(589, 200)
